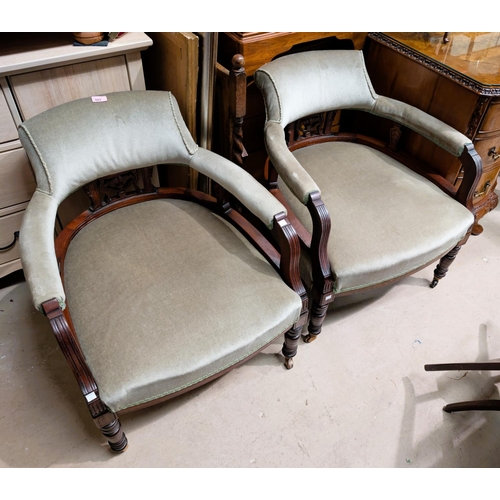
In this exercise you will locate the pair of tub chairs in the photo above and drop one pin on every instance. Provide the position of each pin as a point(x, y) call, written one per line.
point(155, 291)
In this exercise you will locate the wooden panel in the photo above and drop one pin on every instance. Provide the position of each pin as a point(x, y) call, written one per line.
point(172, 64)
point(259, 48)
point(491, 121)
point(8, 130)
point(10, 267)
point(41, 90)
point(17, 183)
point(8, 225)
point(135, 73)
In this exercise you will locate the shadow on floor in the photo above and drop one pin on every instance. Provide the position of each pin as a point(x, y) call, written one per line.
point(460, 439)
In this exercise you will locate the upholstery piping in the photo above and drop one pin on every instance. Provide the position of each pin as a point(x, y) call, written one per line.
point(179, 127)
point(367, 78)
point(46, 170)
point(277, 95)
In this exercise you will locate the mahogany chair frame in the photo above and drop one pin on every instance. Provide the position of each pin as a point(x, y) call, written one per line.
point(316, 129)
point(106, 199)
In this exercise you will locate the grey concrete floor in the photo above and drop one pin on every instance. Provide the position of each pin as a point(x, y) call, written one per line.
point(357, 397)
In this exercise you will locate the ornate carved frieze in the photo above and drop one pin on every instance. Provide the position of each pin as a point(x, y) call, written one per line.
point(436, 66)
point(477, 116)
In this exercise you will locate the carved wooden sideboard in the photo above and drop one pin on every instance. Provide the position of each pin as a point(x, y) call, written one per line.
point(456, 81)
point(39, 71)
point(239, 108)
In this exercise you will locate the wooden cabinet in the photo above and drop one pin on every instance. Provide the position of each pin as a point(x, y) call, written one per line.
point(37, 72)
point(258, 48)
point(457, 82)
point(239, 108)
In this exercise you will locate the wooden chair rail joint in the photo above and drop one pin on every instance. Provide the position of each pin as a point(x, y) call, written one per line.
point(52, 308)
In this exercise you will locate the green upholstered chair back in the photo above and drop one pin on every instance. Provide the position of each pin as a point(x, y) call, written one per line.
point(80, 141)
point(324, 80)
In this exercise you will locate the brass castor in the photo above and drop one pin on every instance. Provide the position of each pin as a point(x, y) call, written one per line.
point(289, 363)
point(310, 337)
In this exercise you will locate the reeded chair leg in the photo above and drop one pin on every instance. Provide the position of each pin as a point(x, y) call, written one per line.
point(290, 345)
point(444, 264)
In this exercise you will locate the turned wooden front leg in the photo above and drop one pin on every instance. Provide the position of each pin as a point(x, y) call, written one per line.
point(444, 264)
point(109, 424)
point(318, 314)
point(290, 345)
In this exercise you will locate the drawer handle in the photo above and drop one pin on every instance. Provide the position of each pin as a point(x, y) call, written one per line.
point(16, 235)
point(492, 152)
point(485, 188)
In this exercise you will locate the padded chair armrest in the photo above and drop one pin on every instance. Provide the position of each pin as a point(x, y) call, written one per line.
point(239, 183)
point(38, 256)
point(291, 171)
point(433, 129)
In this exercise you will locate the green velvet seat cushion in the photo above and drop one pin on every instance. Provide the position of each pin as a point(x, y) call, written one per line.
point(386, 219)
point(164, 294)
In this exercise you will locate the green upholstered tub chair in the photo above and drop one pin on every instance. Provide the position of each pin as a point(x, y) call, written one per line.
point(152, 291)
point(367, 213)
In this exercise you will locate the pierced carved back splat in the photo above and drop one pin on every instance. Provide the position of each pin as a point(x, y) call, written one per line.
point(107, 189)
point(314, 125)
